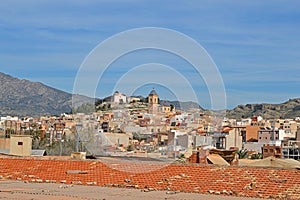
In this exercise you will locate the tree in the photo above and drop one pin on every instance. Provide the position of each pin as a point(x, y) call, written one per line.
point(256, 156)
point(172, 107)
point(145, 100)
point(98, 102)
point(136, 136)
point(243, 153)
point(130, 147)
point(8, 132)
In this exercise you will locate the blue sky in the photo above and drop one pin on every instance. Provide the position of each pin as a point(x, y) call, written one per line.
point(255, 44)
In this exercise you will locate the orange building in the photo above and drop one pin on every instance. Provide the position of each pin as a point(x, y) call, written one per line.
point(252, 132)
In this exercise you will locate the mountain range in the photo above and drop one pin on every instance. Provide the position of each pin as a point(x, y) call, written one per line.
point(25, 98)
point(289, 109)
point(19, 97)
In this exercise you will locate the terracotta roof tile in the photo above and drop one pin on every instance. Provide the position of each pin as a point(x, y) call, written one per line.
point(239, 181)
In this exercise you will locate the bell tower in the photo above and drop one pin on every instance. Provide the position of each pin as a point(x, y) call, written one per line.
point(153, 102)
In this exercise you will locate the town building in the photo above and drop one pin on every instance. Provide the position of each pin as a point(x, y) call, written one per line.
point(153, 102)
point(118, 98)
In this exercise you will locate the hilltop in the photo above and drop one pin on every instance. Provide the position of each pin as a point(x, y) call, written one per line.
point(289, 109)
point(25, 98)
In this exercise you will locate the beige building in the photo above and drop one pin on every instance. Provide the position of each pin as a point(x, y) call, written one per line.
point(164, 109)
point(289, 126)
point(233, 139)
point(20, 145)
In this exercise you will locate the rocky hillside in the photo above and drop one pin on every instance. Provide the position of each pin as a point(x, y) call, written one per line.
point(25, 98)
point(289, 109)
point(186, 105)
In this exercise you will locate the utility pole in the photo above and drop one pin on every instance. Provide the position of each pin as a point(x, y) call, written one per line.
point(77, 140)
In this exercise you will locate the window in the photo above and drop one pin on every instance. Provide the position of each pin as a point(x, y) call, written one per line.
point(20, 143)
point(278, 150)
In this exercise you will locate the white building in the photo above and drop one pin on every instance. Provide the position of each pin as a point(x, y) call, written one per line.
point(119, 98)
point(285, 134)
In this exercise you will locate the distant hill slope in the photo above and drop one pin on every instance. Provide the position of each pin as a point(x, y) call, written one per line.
point(289, 109)
point(25, 98)
point(180, 105)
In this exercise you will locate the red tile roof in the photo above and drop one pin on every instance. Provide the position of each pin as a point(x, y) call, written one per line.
point(238, 181)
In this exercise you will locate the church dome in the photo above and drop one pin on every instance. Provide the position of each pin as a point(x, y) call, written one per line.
point(153, 92)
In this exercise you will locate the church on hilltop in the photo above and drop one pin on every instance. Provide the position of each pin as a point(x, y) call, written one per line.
point(116, 98)
point(155, 106)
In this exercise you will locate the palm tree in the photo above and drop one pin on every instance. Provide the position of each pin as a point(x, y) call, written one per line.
point(243, 153)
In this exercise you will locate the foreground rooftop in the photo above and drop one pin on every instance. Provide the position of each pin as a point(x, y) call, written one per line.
point(148, 176)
